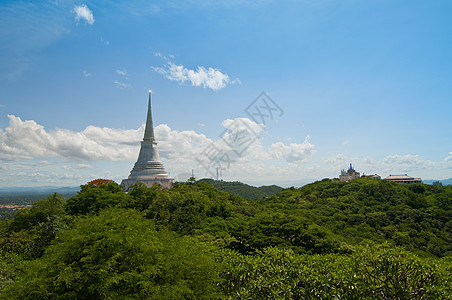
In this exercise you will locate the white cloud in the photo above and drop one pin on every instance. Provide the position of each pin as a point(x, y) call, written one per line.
point(293, 153)
point(338, 161)
point(406, 163)
point(449, 158)
point(238, 125)
point(178, 149)
point(87, 74)
point(68, 176)
point(32, 174)
point(84, 166)
point(122, 73)
point(413, 165)
point(82, 12)
point(201, 77)
point(27, 147)
point(239, 153)
point(27, 139)
point(123, 85)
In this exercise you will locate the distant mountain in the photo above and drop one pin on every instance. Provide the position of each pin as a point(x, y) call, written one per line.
point(284, 183)
point(244, 190)
point(444, 181)
point(41, 190)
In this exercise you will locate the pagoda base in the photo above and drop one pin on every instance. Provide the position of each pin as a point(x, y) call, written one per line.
point(166, 183)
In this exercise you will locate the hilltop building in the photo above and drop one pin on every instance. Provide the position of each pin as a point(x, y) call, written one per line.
point(148, 169)
point(403, 179)
point(349, 175)
point(375, 176)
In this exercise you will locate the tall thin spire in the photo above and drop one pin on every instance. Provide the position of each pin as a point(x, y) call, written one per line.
point(149, 129)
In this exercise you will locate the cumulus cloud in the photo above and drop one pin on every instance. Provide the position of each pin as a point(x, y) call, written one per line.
point(240, 134)
point(27, 139)
point(82, 12)
point(201, 77)
point(240, 152)
point(449, 158)
point(293, 153)
point(406, 162)
point(87, 74)
point(26, 148)
point(179, 145)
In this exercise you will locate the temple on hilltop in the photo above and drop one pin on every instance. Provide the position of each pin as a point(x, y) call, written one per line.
point(349, 175)
point(403, 179)
point(148, 169)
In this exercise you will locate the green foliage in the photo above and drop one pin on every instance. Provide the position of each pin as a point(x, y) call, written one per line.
point(92, 198)
point(382, 271)
point(244, 190)
point(283, 230)
point(414, 216)
point(118, 254)
point(140, 197)
point(192, 209)
point(10, 201)
point(302, 243)
point(41, 211)
point(11, 265)
point(370, 272)
point(32, 229)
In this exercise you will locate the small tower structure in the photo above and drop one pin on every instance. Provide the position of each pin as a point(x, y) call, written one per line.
point(149, 168)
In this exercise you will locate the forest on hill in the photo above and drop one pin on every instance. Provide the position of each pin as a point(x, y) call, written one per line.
point(244, 190)
point(363, 239)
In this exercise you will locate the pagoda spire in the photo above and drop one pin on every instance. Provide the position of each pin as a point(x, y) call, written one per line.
point(149, 129)
point(149, 168)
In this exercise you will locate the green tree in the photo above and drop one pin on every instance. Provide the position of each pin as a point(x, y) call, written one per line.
point(118, 254)
point(370, 272)
point(93, 198)
point(32, 229)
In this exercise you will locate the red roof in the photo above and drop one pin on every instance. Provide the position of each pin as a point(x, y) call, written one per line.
point(399, 177)
point(402, 178)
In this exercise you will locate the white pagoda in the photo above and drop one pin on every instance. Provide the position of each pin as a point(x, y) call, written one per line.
point(148, 169)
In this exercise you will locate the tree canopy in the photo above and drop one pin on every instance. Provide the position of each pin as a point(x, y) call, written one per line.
point(363, 239)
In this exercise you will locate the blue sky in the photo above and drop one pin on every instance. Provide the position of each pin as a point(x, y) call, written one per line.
point(362, 82)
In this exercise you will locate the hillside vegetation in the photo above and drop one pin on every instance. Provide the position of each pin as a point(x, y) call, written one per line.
point(244, 190)
point(364, 239)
